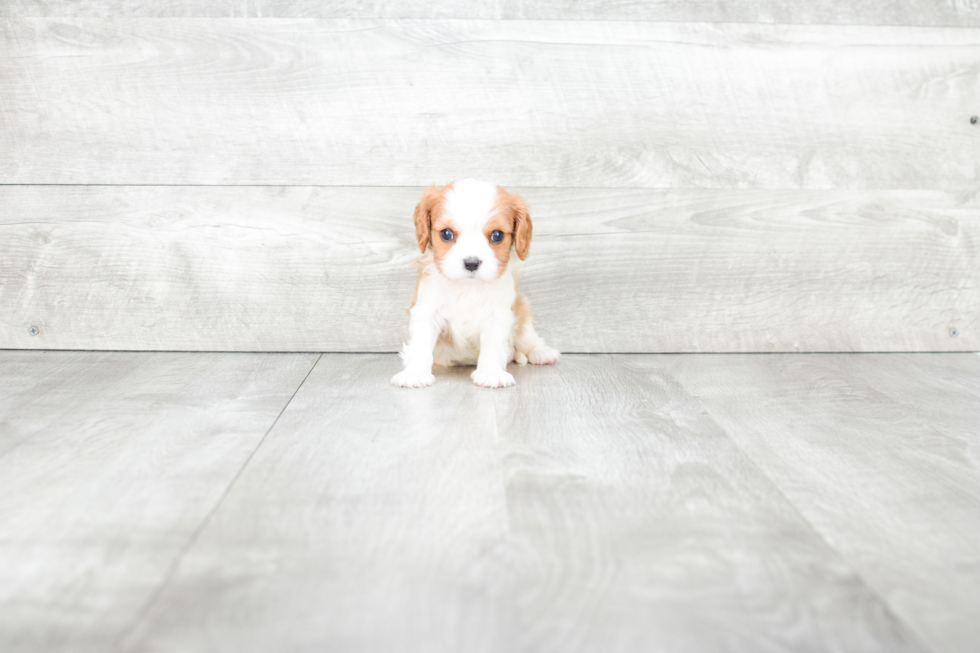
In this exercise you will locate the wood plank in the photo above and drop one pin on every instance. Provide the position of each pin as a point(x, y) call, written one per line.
point(109, 462)
point(526, 103)
point(897, 497)
point(920, 12)
point(591, 508)
point(371, 519)
point(640, 526)
point(942, 389)
point(329, 269)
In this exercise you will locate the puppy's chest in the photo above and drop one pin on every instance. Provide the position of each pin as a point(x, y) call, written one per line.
point(466, 313)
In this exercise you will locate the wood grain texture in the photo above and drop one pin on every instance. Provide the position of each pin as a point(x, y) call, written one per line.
point(591, 508)
point(896, 493)
point(329, 269)
point(962, 13)
point(109, 462)
point(371, 520)
point(944, 390)
point(525, 103)
point(638, 525)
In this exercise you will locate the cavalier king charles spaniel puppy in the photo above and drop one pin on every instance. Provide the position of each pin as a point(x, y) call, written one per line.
point(467, 308)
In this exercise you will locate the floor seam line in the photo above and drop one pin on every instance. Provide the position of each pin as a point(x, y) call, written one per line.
point(870, 589)
point(142, 613)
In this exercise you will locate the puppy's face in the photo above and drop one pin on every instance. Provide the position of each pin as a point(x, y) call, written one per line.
point(472, 226)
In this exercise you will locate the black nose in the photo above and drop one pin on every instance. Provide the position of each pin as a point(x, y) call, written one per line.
point(471, 264)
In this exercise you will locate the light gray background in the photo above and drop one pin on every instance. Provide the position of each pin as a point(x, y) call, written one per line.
point(202, 182)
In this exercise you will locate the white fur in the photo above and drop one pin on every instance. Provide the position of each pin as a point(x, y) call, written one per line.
point(469, 204)
point(475, 309)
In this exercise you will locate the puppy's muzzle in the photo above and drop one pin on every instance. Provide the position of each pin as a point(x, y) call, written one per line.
point(471, 263)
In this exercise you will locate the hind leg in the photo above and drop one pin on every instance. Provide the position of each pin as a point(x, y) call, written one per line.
point(529, 344)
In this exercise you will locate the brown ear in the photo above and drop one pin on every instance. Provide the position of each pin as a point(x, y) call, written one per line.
point(522, 226)
point(423, 216)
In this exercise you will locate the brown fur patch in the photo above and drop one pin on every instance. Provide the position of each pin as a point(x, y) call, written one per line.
point(428, 208)
point(522, 313)
point(521, 308)
point(418, 284)
point(514, 209)
point(502, 220)
point(439, 246)
point(437, 222)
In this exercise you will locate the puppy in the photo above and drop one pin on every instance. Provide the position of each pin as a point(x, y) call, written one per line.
point(467, 309)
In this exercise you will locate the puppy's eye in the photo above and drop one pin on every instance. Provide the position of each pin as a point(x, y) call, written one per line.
point(447, 234)
point(497, 236)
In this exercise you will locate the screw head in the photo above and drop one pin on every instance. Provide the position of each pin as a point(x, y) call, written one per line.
point(954, 332)
point(974, 120)
point(33, 331)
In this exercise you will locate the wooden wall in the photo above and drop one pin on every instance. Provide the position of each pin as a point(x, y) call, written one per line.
point(804, 179)
point(936, 13)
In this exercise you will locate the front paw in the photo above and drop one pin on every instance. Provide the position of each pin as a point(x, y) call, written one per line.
point(492, 378)
point(410, 379)
point(544, 356)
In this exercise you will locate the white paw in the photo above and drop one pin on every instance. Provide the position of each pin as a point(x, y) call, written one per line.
point(492, 378)
point(410, 379)
point(544, 356)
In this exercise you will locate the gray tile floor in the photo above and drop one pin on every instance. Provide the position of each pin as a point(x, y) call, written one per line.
point(296, 502)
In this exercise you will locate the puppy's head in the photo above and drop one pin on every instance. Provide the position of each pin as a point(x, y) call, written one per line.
point(472, 226)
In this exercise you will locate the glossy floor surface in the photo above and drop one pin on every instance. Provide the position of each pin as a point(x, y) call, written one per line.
point(297, 502)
